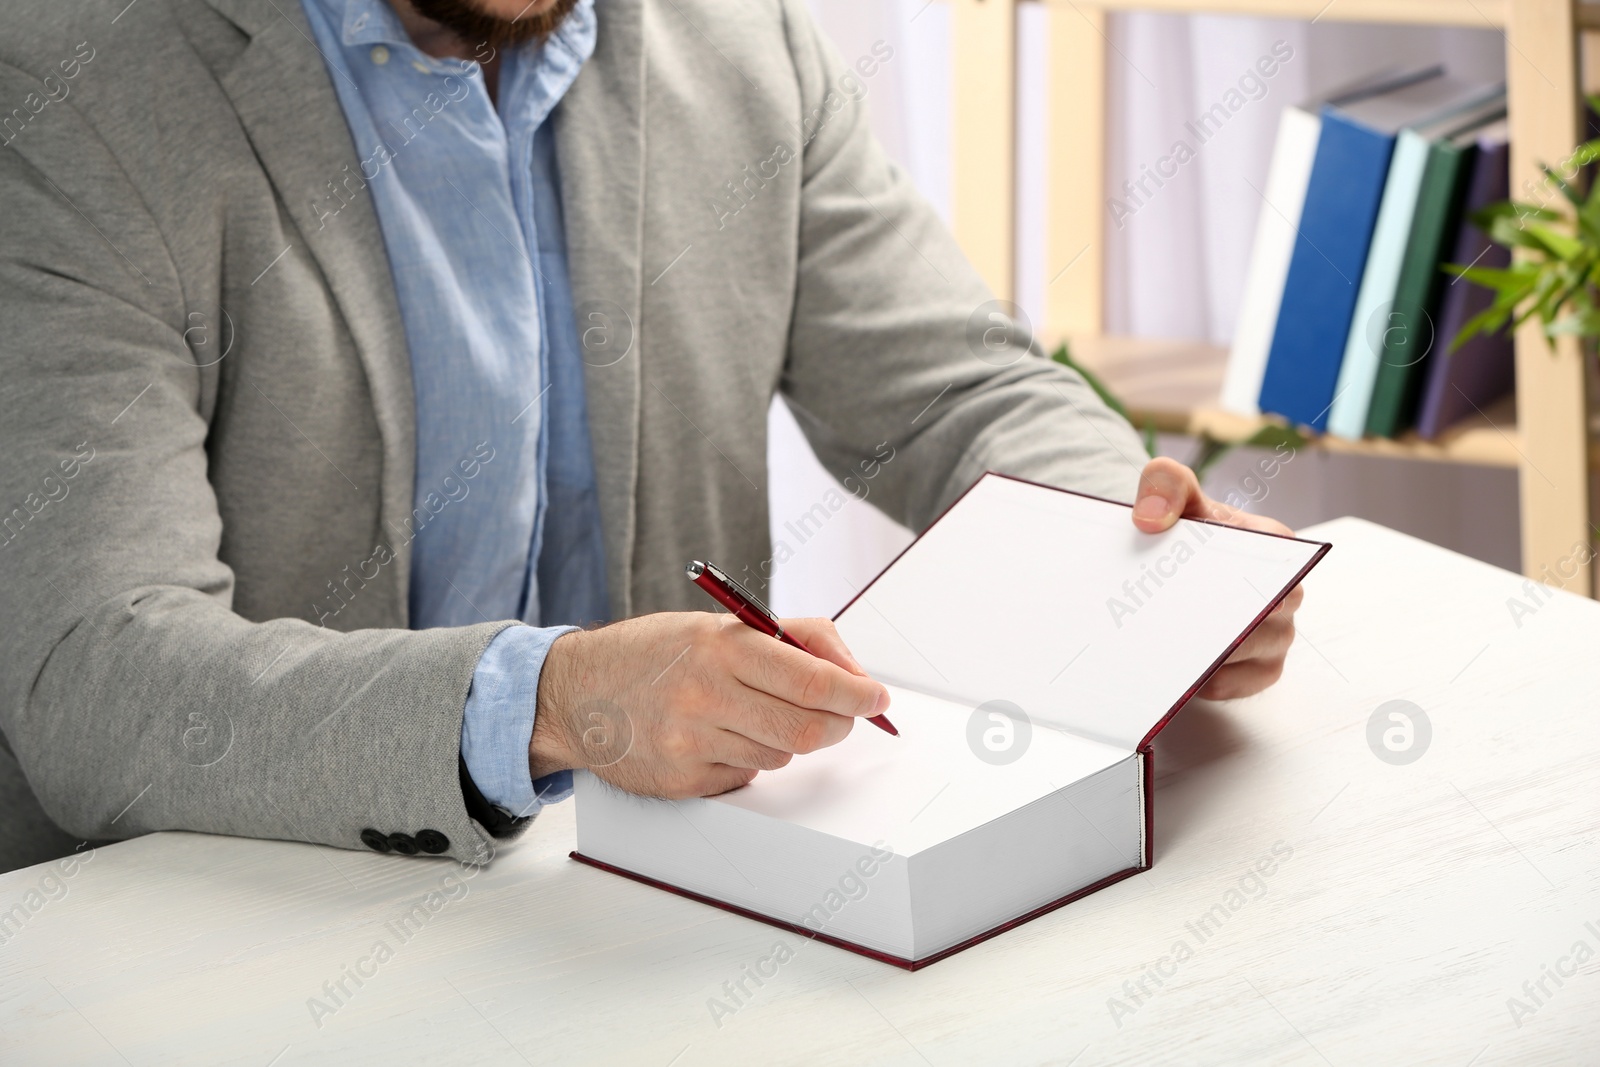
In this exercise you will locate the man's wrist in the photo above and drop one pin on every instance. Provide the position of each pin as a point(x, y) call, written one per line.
point(549, 748)
point(498, 719)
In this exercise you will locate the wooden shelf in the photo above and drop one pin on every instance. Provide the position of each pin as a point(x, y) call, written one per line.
point(1476, 13)
point(1174, 385)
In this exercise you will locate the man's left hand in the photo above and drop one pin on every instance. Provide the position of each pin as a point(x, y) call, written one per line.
point(1168, 491)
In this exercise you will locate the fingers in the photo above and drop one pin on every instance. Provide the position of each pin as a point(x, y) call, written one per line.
point(803, 680)
point(705, 703)
point(1258, 661)
point(1168, 491)
point(705, 781)
point(723, 779)
point(1269, 641)
point(773, 723)
point(822, 638)
point(1235, 680)
point(738, 750)
point(1247, 521)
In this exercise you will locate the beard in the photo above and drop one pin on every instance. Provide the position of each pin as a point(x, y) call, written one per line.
point(471, 24)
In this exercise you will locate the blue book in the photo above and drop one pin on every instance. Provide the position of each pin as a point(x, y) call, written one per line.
point(1346, 188)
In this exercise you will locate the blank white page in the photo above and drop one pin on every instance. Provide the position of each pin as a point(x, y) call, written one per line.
point(1033, 595)
point(921, 788)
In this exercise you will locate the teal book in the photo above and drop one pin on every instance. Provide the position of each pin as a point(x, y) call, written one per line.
point(1409, 337)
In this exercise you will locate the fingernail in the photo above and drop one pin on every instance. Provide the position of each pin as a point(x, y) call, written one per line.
point(1153, 507)
point(882, 703)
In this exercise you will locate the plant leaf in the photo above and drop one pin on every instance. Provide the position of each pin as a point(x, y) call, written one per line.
point(1563, 246)
point(1513, 209)
point(1272, 435)
point(1489, 320)
point(1562, 184)
point(1497, 278)
point(1583, 323)
point(1206, 455)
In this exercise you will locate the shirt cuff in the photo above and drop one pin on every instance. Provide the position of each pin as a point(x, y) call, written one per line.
point(497, 725)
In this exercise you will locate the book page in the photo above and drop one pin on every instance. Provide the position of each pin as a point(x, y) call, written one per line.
point(948, 772)
point(1054, 602)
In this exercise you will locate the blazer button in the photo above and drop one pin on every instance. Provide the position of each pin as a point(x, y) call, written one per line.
point(432, 842)
point(404, 844)
point(374, 840)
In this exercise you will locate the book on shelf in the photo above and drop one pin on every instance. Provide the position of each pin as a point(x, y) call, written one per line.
point(1410, 338)
point(1033, 643)
point(1467, 380)
point(1342, 199)
point(1376, 308)
point(1283, 198)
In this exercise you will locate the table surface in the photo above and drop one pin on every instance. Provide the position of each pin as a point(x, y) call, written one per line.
point(1443, 911)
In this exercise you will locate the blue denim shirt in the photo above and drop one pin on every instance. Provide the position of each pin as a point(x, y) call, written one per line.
point(468, 199)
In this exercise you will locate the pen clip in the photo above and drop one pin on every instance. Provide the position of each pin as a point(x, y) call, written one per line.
point(748, 597)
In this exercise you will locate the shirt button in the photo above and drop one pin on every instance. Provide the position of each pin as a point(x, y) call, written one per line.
point(432, 842)
point(374, 840)
point(380, 54)
point(404, 844)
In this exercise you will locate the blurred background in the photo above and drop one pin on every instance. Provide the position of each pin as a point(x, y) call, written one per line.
point(1174, 269)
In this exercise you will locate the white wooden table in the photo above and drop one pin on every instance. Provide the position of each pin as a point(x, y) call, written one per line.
point(1408, 905)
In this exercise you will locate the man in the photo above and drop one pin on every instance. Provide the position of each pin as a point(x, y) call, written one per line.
point(343, 339)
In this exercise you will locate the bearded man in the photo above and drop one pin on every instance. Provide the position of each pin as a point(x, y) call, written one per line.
point(362, 357)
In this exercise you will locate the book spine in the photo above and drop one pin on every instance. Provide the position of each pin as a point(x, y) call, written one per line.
point(1481, 371)
point(1411, 338)
point(1364, 345)
point(1270, 255)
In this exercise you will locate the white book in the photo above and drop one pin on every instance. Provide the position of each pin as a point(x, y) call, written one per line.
point(1033, 643)
point(1276, 229)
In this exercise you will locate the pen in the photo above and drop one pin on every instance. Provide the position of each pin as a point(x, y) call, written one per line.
point(753, 613)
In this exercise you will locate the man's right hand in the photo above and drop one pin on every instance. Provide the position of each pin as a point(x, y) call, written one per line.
point(691, 704)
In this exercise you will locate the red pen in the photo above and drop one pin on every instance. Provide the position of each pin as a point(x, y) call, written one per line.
point(753, 613)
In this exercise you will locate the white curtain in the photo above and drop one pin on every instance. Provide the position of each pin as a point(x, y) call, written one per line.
point(1176, 265)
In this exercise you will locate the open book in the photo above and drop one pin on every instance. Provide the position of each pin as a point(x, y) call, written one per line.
point(1033, 643)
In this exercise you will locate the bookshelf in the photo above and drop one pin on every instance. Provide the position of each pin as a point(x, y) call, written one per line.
point(1542, 433)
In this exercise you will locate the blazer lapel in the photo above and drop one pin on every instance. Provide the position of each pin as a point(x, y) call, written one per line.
point(600, 148)
point(281, 91)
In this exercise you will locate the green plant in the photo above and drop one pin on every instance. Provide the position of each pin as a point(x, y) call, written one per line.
point(1210, 449)
point(1558, 269)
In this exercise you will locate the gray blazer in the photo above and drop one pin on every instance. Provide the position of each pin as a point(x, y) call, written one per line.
point(207, 412)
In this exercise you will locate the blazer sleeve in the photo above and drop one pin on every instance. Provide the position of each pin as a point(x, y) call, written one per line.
point(893, 340)
point(132, 695)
